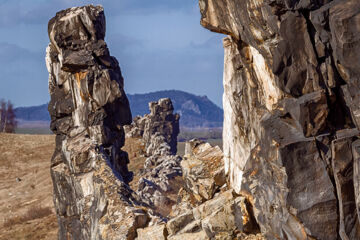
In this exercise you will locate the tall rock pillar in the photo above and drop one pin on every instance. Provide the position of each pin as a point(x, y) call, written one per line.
point(88, 109)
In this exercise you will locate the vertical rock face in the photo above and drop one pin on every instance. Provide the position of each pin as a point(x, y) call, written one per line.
point(88, 109)
point(291, 112)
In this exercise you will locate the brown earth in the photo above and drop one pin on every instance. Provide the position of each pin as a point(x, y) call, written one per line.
point(26, 205)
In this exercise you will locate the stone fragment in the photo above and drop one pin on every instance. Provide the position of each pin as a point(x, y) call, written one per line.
point(356, 156)
point(218, 218)
point(352, 97)
point(344, 20)
point(156, 232)
point(190, 236)
point(179, 222)
point(308, 179)
point(309, 112)
point(202, 169)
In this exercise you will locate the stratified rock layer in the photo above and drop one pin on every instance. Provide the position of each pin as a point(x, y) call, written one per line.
point(291, 112)
point(88, 109)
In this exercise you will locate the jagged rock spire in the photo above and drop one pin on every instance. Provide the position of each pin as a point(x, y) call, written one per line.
point(88, 109)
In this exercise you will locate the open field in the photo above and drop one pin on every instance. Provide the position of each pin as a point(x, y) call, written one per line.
point(26, 206)
point(31, 130)
point(33, 127)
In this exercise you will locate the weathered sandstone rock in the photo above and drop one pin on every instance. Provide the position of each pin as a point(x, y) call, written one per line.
point(88, 109)
point(291, 112)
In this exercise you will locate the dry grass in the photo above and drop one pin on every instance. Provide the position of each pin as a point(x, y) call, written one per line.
point(26, 188)
point(31, 214)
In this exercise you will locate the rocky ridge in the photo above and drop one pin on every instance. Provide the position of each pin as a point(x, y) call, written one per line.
point(291, 127)
point(160, 120)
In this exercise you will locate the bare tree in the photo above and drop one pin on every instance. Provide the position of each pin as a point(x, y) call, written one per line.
point(2, 114)
point(7, 117)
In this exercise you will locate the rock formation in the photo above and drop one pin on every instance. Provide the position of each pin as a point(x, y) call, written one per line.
point(206, 207)
point(203, 169)
point(291, 112)
point(290, 167)
point(88, 109)
point(158, 131)
point(161, 120)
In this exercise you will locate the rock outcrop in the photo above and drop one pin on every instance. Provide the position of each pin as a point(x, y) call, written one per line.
point(88, 109)
point(203, 169)
point(161, 120)
point(291, 112)
point(161, 175)
point(206, 208)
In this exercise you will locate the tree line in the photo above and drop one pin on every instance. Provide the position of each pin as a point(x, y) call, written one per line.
point(7, 117)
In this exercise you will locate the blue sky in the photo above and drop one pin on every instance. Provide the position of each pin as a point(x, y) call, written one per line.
point(159, 44)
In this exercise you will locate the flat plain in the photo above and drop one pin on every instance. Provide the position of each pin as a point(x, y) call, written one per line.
point(26, 205)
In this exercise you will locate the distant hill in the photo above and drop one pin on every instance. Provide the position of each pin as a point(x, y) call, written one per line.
point(195, 111)
point(36, 113)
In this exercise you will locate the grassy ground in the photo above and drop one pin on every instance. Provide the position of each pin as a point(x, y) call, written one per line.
point(39, 131)
point(26, 205)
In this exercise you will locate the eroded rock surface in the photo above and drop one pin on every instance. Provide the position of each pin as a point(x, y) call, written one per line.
point(226, 216)
point(291, 127)
point(161, 175)
point(88, 109)
point(160, 120)
point(206, 208)
point(203, 169)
